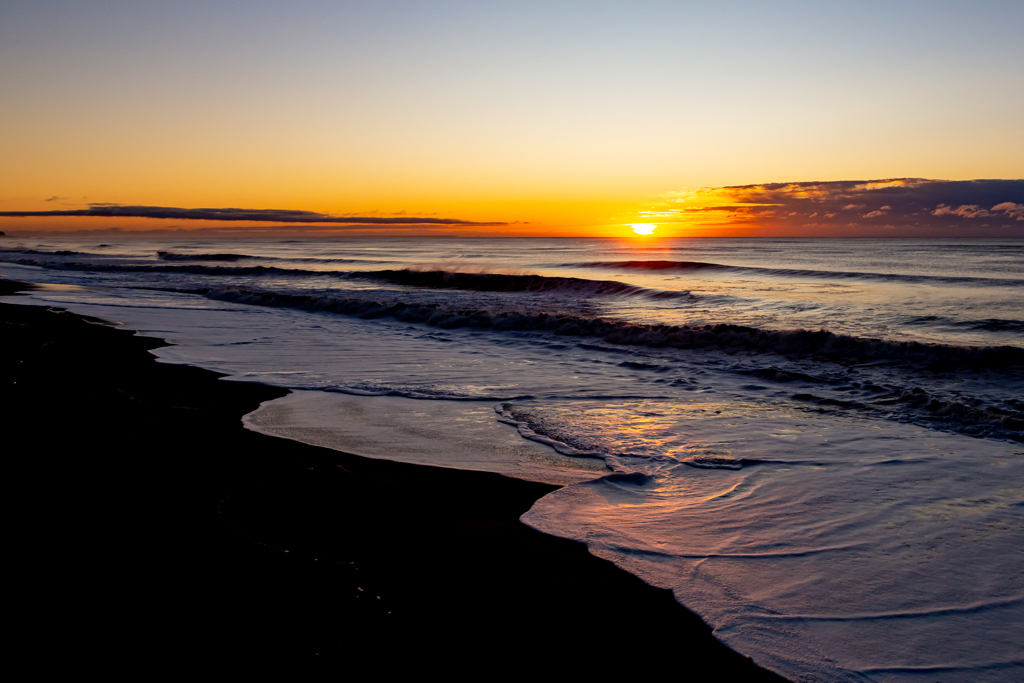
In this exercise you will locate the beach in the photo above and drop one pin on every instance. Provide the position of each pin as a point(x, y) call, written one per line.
point(470, 337)
point(193, 537)
point(519, 445)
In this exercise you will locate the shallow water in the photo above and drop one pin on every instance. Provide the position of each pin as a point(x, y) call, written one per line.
point(816, 444)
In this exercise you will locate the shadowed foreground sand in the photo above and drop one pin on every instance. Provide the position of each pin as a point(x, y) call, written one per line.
point(151, 523)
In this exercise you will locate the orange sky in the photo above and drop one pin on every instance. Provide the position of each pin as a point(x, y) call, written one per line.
point(901, 207)
point(541, 117)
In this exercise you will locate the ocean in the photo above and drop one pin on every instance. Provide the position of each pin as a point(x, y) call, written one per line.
point(817, 445)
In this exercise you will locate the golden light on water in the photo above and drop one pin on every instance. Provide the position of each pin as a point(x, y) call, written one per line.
point(644, 228)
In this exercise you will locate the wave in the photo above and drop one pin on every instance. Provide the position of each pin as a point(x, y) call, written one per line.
point(80, 266)
point(502, 282)
point(986, 325)
point(421, 393)
point(175, 256)
point(172, 256)
point(945, 414)
point(61, 252)
point(535, 428)
point(821, 344)
point(688, 266)
point(433, 279)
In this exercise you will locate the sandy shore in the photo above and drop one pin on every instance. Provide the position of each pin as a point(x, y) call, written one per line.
point(152, 522)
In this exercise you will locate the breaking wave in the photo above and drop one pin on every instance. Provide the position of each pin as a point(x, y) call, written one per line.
point(61, 252)
point(434, 279)
point(175, 256)
point(817, 343)
point(502, 282)
point(532, 425)
point(172, 256)
point(186, 269)
point(987, 324)
point(952, 415)
point(688, 266)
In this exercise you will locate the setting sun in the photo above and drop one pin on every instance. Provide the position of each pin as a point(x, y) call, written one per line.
point(403, 233)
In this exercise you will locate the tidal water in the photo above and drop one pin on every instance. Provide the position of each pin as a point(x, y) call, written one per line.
point(817, 445)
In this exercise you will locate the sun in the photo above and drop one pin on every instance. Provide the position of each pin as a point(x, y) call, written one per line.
point(644, 228)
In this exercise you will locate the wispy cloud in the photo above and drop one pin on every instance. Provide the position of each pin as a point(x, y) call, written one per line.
point(105, 210)
point(964, 211)
point(878, 212)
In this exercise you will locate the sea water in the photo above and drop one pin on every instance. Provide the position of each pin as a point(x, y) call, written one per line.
point(817, 445)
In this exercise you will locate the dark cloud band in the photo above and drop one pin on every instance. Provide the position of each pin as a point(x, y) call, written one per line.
point(249, 215)
point(911, 206)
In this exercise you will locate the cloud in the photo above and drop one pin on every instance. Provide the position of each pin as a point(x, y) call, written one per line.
point(1011, 209)
point(964, 211)
point(910, 206)
point(106, 210)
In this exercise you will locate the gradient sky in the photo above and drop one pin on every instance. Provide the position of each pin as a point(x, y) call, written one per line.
point(543, 117)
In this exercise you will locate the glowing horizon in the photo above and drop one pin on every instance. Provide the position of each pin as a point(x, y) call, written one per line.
point(533, 119)
point(880, 208)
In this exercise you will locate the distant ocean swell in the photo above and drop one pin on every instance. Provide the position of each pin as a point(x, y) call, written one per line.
point(831, 346)
point(689, 266)
point(225, 257)
point(172, 256)
point(175, 256)
point(191, 270)
point(435, 279)
point(635, 265)
point(500, 282)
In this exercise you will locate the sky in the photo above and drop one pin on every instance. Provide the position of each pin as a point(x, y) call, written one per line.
point(531, 118)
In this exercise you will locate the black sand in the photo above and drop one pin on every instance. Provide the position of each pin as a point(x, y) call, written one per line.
point(150, 522)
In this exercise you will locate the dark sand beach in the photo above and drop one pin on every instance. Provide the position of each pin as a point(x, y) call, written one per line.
point(151, 522)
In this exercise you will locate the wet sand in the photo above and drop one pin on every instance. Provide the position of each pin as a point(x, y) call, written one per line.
point(152, 526)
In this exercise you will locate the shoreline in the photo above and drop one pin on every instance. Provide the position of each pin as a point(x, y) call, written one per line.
point(269, 548)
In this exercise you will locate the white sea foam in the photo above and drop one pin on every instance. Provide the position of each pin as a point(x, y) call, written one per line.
point(462, 435)
point(835, 552)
